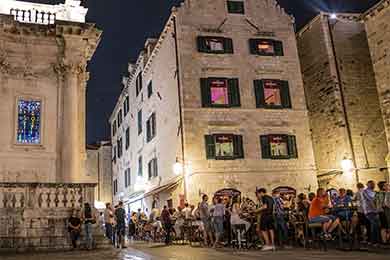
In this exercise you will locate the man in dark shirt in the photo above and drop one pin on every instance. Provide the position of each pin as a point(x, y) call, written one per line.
point(120, 216)
point(74, 227)
point(267, 219)
point(167, 224)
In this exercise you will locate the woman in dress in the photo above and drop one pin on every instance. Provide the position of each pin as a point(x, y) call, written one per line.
point(235, 218)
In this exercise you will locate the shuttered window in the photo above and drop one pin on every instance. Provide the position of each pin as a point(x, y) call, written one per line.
point(114, 154)
point(127, 138)
point(278, 147)
point(266, 47)
point(138, 84)
point(127, 177)
point(224, 147)
point(272, 94)
point(119, 118)
point(139, 118)
point(151, 128)
point(220, 92)
point(152, 168)
point(140, 165)
point(120, 147)
point(114, 128)
point(235, 7)
point(217, 45)
point(126, 106)
point(150, 89)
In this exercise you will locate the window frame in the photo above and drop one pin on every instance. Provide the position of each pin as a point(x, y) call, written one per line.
point(140, 166)
point(238, 147)
point(230, 9)
point(126, 105)
point(284, 90)
point(139, 83)
point(127, 138)
point(139, 122)
point(228, 47)
point(152, 169)
point(277, 45)
point(150, 89)
point(42, 121)
point(151, 127)
point(233, 91)
point(291, 142)
point(119, 118)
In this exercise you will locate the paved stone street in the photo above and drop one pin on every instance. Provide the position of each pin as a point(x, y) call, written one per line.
point(147, 252)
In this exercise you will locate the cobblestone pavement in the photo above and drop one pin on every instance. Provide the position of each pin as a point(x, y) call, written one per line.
point(155, 252)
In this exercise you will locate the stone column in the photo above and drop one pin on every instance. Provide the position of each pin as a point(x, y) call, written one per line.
point(71, 118)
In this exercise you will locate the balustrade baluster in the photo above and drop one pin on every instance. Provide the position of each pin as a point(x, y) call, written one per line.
point(52, 198)
point(1, 198)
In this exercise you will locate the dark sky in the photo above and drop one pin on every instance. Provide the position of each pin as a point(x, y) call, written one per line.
point(127, 23)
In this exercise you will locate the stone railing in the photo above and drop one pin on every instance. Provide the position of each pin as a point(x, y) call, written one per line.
point(45, 196)
point(33, 16)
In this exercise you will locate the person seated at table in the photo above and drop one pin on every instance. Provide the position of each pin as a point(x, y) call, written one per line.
point(317, 214)
point(341, 205)
point(303, 204)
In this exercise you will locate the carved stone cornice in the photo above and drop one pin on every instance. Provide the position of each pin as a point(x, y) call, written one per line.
point(63, 68)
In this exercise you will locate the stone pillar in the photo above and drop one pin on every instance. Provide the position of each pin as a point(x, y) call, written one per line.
point(71, 117)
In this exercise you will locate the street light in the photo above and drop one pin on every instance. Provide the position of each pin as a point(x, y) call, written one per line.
point(347, 165)
point(333, 16)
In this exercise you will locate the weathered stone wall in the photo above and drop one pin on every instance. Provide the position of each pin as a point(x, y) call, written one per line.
point(378, 30)
point(99, 171)
point(35, 216)
point(210, 18)
point(319, 43)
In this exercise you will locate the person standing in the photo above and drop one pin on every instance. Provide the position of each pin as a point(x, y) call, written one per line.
point(380, 207)
point(204, 214)
point(167, 224)
point(120, 216)
point(386, 206)
point(74, 228)
point(89, 219)
point(280, 222)
point(267, 220)
point(218, 219)
point(108, 222)
point(371, 212)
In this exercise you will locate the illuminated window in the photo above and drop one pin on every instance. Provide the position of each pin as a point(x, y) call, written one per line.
point(29, 122)
point(224, 147)
point(210, 44)
point(220, 92)
point(272, 93)
point(266, 47)
point(278, 147)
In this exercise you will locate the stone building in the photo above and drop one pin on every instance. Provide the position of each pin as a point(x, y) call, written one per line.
point(377, 24)
point(217, 101)
point(44, 50)
point(345, 116)
point(99, 171)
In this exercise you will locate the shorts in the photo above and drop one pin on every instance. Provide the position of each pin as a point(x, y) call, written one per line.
point(322, 219)
point(207, 225)
point(218, 225)
point(121, 229)
point(267, 222)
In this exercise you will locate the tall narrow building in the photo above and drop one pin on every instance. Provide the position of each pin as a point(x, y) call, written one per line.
point(217, 102)
point(345, 116)
point(377, 23)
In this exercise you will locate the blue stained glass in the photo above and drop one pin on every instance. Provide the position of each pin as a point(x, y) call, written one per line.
point(29, 122)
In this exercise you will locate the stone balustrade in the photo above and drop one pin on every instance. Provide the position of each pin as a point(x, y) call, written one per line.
point(45, 196)
point(33, 16)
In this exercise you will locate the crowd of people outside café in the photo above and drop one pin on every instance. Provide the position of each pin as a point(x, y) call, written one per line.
point(276, 220)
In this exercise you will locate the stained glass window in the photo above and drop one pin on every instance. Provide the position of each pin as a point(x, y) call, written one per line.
point(29, 122)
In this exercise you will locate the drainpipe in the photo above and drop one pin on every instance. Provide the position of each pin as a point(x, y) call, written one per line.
point(341, 89)
point(179, 94)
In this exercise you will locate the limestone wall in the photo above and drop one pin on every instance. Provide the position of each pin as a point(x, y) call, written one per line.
point(378, 33)
point(318, 44)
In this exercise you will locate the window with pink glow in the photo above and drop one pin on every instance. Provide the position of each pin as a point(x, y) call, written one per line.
point(219, 92)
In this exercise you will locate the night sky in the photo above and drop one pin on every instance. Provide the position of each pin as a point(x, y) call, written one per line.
point(127, 23)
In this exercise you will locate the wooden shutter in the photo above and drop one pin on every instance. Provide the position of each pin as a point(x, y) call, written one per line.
point(210, 147)
point(259, 93)
point(155, 167)
point(202, 44)
point(153, 125)
point(253, 46)
point(292, 147)
point(150, 89)
point(265, 147)
point(205, 92)
point(285, 94)
point(150, 169)
point(228, 45)
point(148, 131)
point(278, 46)
point(238, 147)
point(234, 93)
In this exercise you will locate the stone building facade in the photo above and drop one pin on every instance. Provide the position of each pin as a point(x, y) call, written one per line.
point(220, 96)
point(99, 170)
point(377, 24)
point(345, 115)
point(44, 51)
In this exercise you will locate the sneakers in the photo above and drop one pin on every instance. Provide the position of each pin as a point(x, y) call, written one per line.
point(267, 248)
